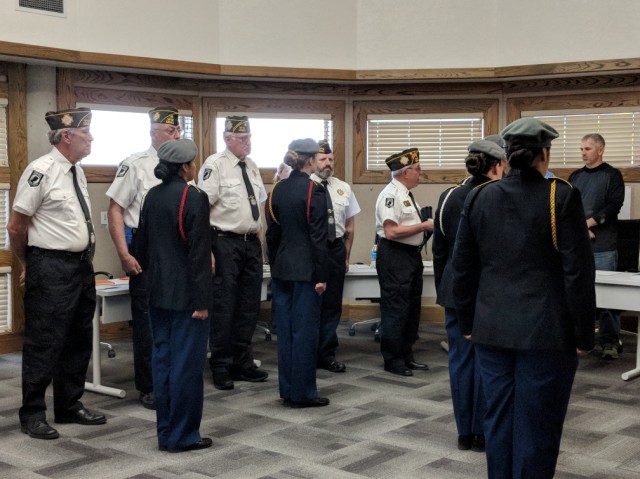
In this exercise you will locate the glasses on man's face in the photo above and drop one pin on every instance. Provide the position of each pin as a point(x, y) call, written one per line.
point(169, 130)
point(243, 139)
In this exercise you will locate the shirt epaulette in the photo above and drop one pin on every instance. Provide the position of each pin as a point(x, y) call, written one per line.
point(42, 165)
point(131, 158)
point(194, 186)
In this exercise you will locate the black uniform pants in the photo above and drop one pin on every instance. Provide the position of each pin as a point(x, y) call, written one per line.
point(399, 269)
point(142, 341)
point(332, 303)
point(59, 301)
point(236, 298)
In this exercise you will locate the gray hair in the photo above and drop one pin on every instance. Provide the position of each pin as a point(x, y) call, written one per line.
point(55, 136)
point(597, 138)
point(396, 173)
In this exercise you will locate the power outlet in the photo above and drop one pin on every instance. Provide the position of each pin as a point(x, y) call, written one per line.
point(103, 217)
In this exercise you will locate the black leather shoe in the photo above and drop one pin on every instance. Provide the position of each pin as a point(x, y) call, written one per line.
point(417, 366)
point(399, 370)
point(286, 402)
point(478, 443)
point(334, 367)
point(81, 416)
point(465, 442)
point(252, 375)
point(39, 429)
point(148, 400)
point(317, 402)
point(222, 381)
point(203, 443)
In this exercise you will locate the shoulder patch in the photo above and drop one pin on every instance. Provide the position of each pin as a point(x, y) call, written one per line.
point(207, 174)
point(122, 171)
point(555, 178)
point(35, 178)
point(388, 202)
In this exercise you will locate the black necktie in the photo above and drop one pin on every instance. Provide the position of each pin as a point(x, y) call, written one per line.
point(85, 209)
point(331, 220)
point(252, 199)
point(415, 205)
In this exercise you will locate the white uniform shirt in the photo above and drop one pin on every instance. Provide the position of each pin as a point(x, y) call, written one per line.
point(343, 200)
point(395, 204)
point(132, 182)
point(221, 178)
point(45, 193)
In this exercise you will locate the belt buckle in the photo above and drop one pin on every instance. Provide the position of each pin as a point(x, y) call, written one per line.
point(244, 236)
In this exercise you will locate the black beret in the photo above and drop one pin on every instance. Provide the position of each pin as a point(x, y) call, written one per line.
point(72, 118)
point(407, 157)
point(530, 133)
point(178, 151)
point(237, 124)
point(305, 146)
point(324, 147)
point(167, 115)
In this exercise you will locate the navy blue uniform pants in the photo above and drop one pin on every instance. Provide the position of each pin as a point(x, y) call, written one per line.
point(399, 269)
point(59, 302)
point(142, 343)
point(332, 303)
point(297, 308)
point(469, 403)
point(179, 353)
point(527, 398)
point(237, 285)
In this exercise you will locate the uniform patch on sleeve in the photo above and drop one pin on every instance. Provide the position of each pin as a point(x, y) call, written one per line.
point(35, 178)
point(207, 173)
point(388, 202)
point(122, 171)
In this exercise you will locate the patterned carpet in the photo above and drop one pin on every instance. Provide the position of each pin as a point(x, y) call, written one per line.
point(378, 425)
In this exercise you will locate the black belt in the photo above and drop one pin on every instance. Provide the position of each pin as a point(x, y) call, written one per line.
point(56, 253)
point(243, 237)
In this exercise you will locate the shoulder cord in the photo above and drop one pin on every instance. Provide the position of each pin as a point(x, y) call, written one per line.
point(444, 202)
point(311, 183)
point(180, 222)
point(271, 213)
point(552, 204)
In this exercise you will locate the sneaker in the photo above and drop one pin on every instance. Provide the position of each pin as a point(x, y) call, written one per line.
point(609, 351)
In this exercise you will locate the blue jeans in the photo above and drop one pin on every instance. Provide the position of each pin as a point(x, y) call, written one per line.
point(609, 319)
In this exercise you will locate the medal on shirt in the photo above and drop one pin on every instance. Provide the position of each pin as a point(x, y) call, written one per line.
point(406, 203)
point(340, 192)
point(252, 200)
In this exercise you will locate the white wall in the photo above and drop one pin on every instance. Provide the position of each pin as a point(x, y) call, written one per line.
point(342, 34)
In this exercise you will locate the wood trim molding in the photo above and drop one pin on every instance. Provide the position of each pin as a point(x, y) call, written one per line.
point(361, 109)
point(137, 63)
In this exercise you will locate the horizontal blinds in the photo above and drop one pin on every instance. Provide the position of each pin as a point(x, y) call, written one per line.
point(442, 142)
point(4, 155)
point(5, 301)
point(5, 272)
point(621, 131)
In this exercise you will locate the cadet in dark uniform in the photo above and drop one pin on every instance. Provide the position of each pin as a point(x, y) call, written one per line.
point(485, 162)
point(52, 236)
point(402, 233)
point(174, 248)
point(297, 248)
point(523, 285)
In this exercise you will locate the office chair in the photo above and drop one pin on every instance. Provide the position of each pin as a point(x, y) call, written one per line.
point(111, 353)
point(374, 322)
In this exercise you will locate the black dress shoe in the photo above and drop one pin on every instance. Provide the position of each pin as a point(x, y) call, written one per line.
point(286, 402)
point(203, 443)
point(417, 366)
point(222, 381)
point(81, 416)
point(39, 429)
point(334, 367)
point(252, 375)
point(399, 370)
point(317, 402)
point(148, 400)
point(478, 443)
point(465, 442)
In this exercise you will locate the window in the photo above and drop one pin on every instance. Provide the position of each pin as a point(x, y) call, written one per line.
point(442, 140)
point(271, 134)
point(620, 129)
point(5, 300)
point(118, 133)
point(4, 155)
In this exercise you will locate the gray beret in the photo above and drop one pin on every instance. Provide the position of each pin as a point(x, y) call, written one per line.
point(497, 139)
point(305, 146)
point(178, 151)
point(488, 147)
point(529, 132)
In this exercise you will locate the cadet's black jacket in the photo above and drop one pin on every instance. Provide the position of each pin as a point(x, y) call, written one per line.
point(297, 230)
point(178, 272)
point(512, 288)
point(445, 229)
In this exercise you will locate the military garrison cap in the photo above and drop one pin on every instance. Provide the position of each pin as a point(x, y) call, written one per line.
point(324, 147)
point(304, 146)
point(237, 124)
point(488, 147)
point(529, 133)
point(72, 118)
point(178, 151)
point(407, 157)
point(166, 115)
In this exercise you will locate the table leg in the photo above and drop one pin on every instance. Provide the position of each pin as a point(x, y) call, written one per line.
point(634, 372)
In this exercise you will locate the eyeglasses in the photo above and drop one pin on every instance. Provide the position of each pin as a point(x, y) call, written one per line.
point(242, 139)
point(170, 130)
